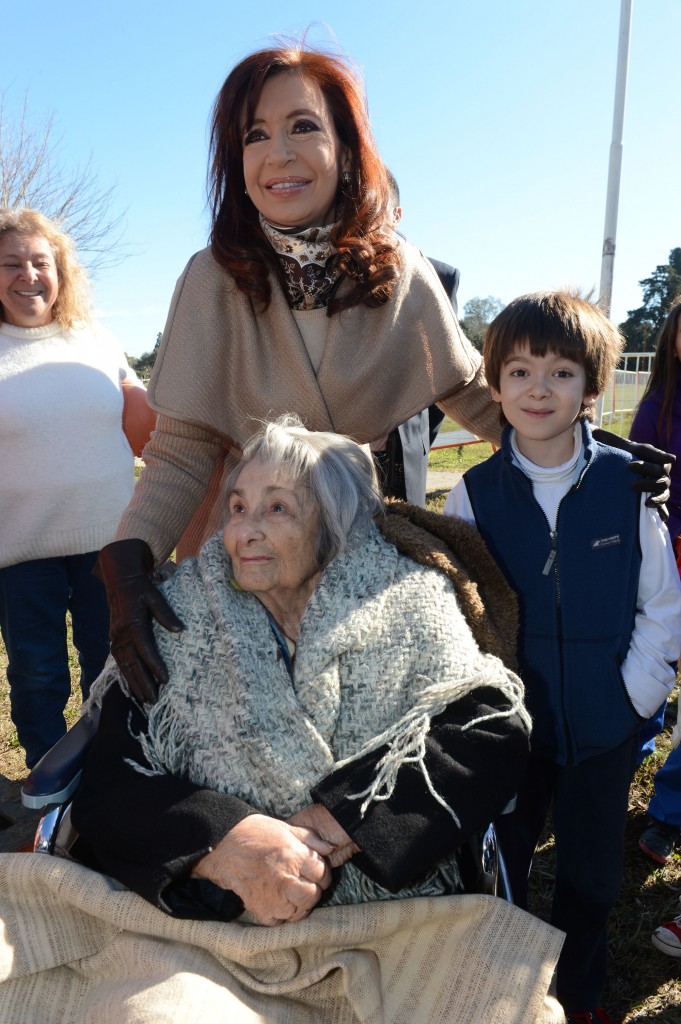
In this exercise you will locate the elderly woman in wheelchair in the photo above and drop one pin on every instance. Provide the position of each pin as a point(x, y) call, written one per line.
point(340, 719)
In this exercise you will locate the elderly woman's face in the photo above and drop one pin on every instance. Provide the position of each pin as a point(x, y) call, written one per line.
point(28, 280)
point(293, 158)
point(271, 533)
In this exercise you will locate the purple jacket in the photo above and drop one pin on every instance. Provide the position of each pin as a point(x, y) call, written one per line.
point(645, 428)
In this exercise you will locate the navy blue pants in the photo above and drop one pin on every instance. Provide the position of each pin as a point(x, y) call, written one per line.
point(34, 599)
point(589, 804)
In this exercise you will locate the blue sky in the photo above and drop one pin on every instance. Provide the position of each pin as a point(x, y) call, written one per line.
point(496, 119)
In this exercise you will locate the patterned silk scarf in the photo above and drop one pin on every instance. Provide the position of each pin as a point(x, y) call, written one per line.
point(309, 262)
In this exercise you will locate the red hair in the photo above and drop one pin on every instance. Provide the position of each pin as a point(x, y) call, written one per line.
point(368, 253)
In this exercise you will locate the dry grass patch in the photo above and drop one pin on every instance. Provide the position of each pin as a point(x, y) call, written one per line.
point(644, 984)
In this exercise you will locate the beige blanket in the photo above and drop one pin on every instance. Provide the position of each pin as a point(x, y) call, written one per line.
point(76, 948)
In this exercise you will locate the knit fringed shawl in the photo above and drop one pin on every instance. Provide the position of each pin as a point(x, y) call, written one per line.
point(383, 648)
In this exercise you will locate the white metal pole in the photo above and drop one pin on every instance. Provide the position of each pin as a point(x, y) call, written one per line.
point(614, 170)
point(615, 166)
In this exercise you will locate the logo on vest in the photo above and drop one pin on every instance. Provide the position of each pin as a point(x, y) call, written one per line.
point(606, 542)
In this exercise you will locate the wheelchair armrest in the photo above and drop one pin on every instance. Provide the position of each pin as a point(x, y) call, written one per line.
point(57, 773)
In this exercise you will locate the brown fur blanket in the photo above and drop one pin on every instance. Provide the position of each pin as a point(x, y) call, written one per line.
point(457, 549)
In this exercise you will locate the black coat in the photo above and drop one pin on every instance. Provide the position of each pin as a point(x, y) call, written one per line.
point(148, 831)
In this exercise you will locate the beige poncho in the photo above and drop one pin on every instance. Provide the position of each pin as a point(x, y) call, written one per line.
point(222, 368)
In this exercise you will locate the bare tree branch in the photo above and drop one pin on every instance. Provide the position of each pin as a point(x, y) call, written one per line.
point(32, 174)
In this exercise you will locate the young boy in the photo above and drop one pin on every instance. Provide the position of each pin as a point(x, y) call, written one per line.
point(600, 612)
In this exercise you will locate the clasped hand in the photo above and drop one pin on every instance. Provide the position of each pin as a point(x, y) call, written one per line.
point(279, 869)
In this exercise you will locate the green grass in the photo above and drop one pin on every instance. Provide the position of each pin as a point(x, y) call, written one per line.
point(464, 456)
point(619, 424)
point(461, 458)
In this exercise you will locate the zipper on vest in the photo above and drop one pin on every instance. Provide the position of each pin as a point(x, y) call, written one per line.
point(549, 566)
point(552, 554)
point(569, 752)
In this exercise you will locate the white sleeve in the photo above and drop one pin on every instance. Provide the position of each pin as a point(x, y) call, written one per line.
point(656, 641)
point(458, 503)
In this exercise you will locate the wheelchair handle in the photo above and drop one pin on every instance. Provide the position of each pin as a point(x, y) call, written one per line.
point(57, 773)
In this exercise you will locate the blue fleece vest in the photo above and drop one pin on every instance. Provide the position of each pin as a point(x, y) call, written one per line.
point(577, 593)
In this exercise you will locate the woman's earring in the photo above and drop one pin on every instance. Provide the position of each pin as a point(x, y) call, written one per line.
point(346, 177)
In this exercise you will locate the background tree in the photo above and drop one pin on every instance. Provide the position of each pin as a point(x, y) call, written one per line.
point(478, 314)
point(144, 364)
point(659, 292)
point(32, 174)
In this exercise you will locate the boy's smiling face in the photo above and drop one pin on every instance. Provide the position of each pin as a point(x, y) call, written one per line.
point(541, 397)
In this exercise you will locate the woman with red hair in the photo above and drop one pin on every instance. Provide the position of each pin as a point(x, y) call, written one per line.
point(305, 302)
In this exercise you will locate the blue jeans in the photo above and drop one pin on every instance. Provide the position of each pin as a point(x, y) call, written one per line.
point(649, 731)
point(34, 599)
point(666, 803)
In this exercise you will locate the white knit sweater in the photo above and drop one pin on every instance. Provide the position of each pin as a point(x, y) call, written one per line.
point(66, 468)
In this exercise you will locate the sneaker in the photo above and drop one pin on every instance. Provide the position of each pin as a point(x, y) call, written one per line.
point(667, 938)
point(659, 840)
point(597, 1016)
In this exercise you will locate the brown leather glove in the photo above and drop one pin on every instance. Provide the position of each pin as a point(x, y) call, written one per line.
point(651, 465)
point(125, 567)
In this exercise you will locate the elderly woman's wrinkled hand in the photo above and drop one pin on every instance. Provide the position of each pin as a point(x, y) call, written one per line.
point(278, 870)
point(317, 817)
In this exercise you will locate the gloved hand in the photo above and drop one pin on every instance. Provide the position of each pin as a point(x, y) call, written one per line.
point(652, 467)
point(125, 568)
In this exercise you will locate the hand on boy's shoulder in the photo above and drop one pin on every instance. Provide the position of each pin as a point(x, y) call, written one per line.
point(651, 465)
point(643, 452)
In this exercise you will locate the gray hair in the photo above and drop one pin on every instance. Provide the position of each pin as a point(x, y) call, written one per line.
point(338, 474)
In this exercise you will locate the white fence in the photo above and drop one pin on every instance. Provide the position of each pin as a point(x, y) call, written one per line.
point(454, 439)
point(626, 388)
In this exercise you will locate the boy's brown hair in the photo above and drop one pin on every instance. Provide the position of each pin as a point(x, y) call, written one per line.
point(560, 322)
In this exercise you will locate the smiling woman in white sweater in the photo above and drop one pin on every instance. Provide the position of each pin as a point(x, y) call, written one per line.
point(67, 471)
